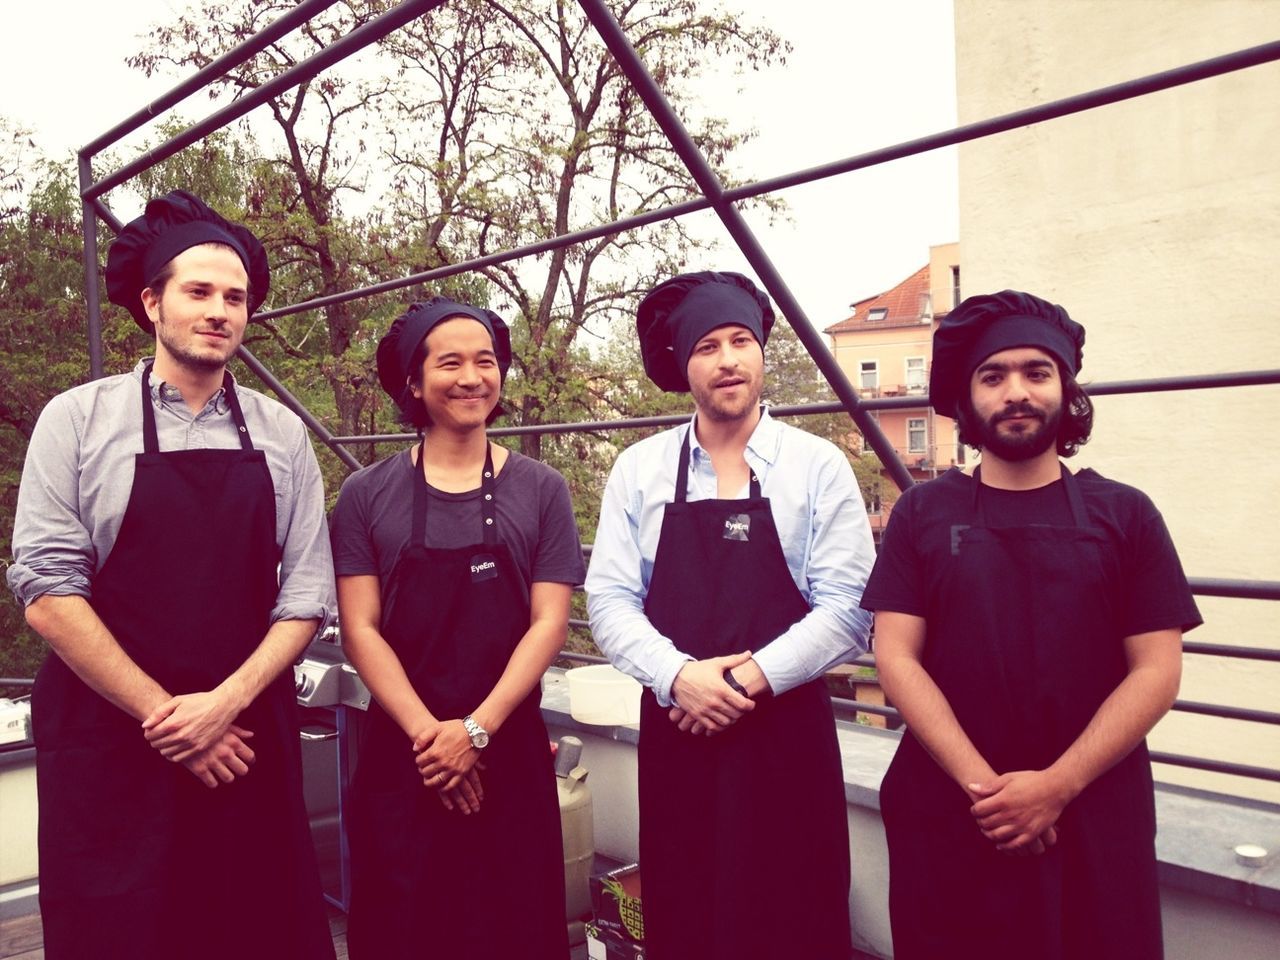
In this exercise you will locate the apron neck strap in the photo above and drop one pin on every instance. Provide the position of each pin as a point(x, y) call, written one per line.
point(1079, 517)
point(682, 469)
point(682, 472)
point(488, 506)
point(150, 436)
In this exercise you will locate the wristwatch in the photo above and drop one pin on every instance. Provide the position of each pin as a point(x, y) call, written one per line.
point(478, 734)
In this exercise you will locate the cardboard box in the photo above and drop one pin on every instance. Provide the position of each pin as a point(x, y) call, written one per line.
point(607, 945)
point(615, 902)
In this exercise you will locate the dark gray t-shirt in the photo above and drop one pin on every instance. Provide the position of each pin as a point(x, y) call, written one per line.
point(371, 523)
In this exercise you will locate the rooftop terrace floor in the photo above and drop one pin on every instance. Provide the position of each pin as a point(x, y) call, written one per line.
point(22, 939)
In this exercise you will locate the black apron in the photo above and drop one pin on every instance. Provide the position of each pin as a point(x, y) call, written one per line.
point(138, 859)
point(429, 882)
point(1026, 653)
point(744, 843)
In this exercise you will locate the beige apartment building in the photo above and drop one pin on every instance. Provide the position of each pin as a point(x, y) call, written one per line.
point(885, 346)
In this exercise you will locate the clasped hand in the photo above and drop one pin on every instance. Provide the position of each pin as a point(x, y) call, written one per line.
point(449, 764)
point(704, 702)
point(1019, 811)
point(196, 730)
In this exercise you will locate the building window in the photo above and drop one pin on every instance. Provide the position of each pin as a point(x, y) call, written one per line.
point(955, 287)
point(915, 375)
point(959, 448)
point(876, 314)
point(916, 442)
point(870, 374)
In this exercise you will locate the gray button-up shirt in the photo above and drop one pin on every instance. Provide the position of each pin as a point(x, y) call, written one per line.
point(79, 473)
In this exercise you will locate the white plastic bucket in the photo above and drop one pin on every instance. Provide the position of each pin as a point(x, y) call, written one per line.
point(599, 694)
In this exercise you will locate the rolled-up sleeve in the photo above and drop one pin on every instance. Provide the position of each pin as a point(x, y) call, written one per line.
point(616, 591)
point(840, 556)
point(53, 551)
point(306, 562)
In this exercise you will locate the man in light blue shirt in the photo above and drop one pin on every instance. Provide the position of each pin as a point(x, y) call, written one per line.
point(726, 573)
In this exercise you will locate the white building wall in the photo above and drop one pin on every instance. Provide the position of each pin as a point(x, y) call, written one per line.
point(1156, 223)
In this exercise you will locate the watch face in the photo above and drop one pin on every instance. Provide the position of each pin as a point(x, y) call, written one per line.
point(480, 740)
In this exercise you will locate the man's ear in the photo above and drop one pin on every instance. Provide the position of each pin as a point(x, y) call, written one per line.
point(151, 303)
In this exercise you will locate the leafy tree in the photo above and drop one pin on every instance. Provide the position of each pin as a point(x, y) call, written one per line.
point(534, 131)
point(491, 125)
point(292, 196)
point(43, 347)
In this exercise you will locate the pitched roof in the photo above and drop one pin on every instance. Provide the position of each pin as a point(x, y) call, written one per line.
point(902, 302)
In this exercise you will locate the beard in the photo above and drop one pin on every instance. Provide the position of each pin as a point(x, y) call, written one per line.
point(722, 409)
point(182, 352)
point(1026, 444)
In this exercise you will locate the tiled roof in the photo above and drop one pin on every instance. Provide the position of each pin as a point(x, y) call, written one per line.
point(903, 303)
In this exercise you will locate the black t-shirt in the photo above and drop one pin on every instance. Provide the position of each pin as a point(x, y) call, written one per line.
point(1153, 588)
point(372, 521)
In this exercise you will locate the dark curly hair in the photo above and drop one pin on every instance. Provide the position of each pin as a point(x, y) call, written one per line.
point(1073, 431)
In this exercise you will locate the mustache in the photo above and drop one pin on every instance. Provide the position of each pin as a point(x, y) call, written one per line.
point(1020, 410)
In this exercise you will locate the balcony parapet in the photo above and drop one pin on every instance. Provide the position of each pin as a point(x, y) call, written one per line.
point(1207, 896)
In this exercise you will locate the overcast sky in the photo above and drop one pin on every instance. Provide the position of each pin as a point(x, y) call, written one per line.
point(860, 75)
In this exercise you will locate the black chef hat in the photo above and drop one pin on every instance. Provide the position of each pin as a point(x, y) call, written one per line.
point(170, 225)
point(989, 323)
point(679, 312)
point(395, 349)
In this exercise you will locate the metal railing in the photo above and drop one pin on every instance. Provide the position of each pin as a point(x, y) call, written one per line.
point(715, 196)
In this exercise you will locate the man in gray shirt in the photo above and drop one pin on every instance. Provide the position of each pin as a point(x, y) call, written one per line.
point(170, 545)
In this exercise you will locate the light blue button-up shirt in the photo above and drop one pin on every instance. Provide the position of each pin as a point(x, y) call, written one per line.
point(822, 524)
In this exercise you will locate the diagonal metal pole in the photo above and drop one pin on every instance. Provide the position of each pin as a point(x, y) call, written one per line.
point(237, 55)
point(709, 183)
point(1064, 107)
point(298, 407)
point(354, 41)
point(1116, 93)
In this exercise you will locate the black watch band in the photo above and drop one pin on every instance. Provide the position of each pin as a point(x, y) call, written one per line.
point(732, 681)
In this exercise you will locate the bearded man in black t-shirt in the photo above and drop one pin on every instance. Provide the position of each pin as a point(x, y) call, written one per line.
point(1028, 626)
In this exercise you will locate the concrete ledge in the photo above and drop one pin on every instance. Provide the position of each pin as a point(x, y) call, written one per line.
point(1198, 830)
point(1196, 840)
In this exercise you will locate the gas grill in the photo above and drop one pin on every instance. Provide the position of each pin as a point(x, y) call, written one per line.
point(332, 700)
point(324, 678)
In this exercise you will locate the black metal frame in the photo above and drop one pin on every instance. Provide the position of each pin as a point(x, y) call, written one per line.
point(716, 197)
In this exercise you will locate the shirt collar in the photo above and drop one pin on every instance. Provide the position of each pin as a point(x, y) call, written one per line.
point(762, 443)
point(170, 395)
